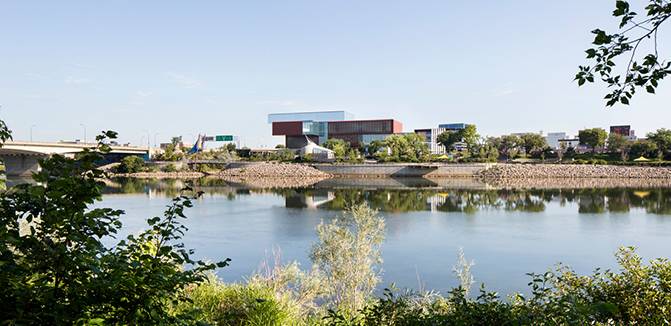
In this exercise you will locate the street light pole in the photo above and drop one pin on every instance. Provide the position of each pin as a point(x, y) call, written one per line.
point(31, 132)
point(193, 138)
point(148, 139)
point(155, 139)
point(81, 124)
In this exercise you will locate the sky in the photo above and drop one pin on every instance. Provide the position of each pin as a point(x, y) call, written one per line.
point(159, 69)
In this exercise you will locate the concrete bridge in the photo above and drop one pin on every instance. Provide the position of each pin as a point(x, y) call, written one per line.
point(20, 157)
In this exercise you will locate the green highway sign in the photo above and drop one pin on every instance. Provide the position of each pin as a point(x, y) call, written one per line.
point(224, 138)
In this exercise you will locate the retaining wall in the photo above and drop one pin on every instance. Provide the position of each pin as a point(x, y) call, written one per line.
point(427, 170)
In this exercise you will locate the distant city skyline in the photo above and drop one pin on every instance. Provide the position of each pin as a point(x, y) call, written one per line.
point(71, 70)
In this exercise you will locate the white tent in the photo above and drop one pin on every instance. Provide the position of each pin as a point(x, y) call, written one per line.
point(318, 153)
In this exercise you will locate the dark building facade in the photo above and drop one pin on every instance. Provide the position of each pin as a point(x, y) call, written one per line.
point(352, 131)
point(622, 130)
point(356, 131)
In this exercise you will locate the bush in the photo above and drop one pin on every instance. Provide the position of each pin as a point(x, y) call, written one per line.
point(54, 269)
point(170, 168)
point(305, 158)
point(638, 295)
point(130, 164)
point(237, 304)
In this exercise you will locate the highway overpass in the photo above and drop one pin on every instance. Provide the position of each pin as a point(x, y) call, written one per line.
point(20, 157)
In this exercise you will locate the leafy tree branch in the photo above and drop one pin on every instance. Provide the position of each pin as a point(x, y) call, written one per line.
point(609, 47)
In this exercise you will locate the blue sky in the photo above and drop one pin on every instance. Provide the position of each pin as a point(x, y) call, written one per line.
point(219, 67)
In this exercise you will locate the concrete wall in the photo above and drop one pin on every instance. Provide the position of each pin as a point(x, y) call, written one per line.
point(403, 183)
point(242, 164)
point(162, 164)
point(427, 170)
point(21, 165)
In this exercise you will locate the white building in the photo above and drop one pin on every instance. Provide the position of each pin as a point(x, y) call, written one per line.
point(553, 139)
point(432, 137)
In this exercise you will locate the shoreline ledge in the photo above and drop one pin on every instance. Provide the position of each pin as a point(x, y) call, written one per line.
point(574, 171)
point(487, 171)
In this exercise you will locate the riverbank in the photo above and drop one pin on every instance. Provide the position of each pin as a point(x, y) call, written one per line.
point(574, 171)
point(272, 169)
point(567, 172)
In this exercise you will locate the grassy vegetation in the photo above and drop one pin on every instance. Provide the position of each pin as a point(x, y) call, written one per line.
point(638, 294)
point(338, 289)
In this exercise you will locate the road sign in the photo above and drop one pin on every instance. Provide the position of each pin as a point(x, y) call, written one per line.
point(225, 138)
point(208, 138)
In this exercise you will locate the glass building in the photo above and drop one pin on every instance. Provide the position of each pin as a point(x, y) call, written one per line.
point(452, 126)
point(311, 116)
point(297, 132)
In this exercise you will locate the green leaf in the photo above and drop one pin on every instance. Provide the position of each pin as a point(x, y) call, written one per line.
point(650, 89)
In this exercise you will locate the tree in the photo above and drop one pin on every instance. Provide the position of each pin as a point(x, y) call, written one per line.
point(374, 146)
point(661, 138)
point(230, 147)
point(55, 270)
point(407, 147)
point(616, 142)
point(448, 138)
point(470, 136)
point(175, 141)
point(362, 148)
point(531, 141)
point(492, 147)
point(5, 135)
point(417, 144)
point(643, 148)
point(339, 146)
point(279, 146)
point(594, 137)
point(511, 143)
point(130, 164)
point(609, 47)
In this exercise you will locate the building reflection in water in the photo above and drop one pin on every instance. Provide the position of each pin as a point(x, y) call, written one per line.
point(401, 198)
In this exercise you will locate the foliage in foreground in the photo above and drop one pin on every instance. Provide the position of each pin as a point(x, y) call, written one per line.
point(638, 294)
point(647, 72)
point(55, 270)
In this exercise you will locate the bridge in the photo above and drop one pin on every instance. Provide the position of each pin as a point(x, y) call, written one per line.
point(20, 157)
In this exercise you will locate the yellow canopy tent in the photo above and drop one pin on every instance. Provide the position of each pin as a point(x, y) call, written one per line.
point(444, 157)
point(641, 159)
point(641, 193)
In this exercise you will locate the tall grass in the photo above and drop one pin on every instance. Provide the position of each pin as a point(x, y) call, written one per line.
point(251, 303)
point(345, 259)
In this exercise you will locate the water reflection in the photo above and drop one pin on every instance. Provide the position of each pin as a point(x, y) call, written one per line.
point(469, 197)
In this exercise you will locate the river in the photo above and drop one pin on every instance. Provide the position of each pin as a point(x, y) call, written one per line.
point(507, 232)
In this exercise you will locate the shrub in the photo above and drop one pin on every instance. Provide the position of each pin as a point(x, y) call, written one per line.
point(170, 168)
point(130, 164)
point(639, 294)
point(54, 269)
point(305, 158)
point(237, 304)
point(348, 254)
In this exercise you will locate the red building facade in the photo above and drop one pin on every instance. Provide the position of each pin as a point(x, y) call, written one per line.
point(352, 131)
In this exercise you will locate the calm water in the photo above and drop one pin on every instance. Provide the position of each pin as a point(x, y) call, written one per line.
point(508, 233)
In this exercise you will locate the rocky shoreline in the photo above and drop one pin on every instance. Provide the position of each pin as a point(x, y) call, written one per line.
point(576, 183)
point(274, 170)
point(575, 171)
point(564, 173)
